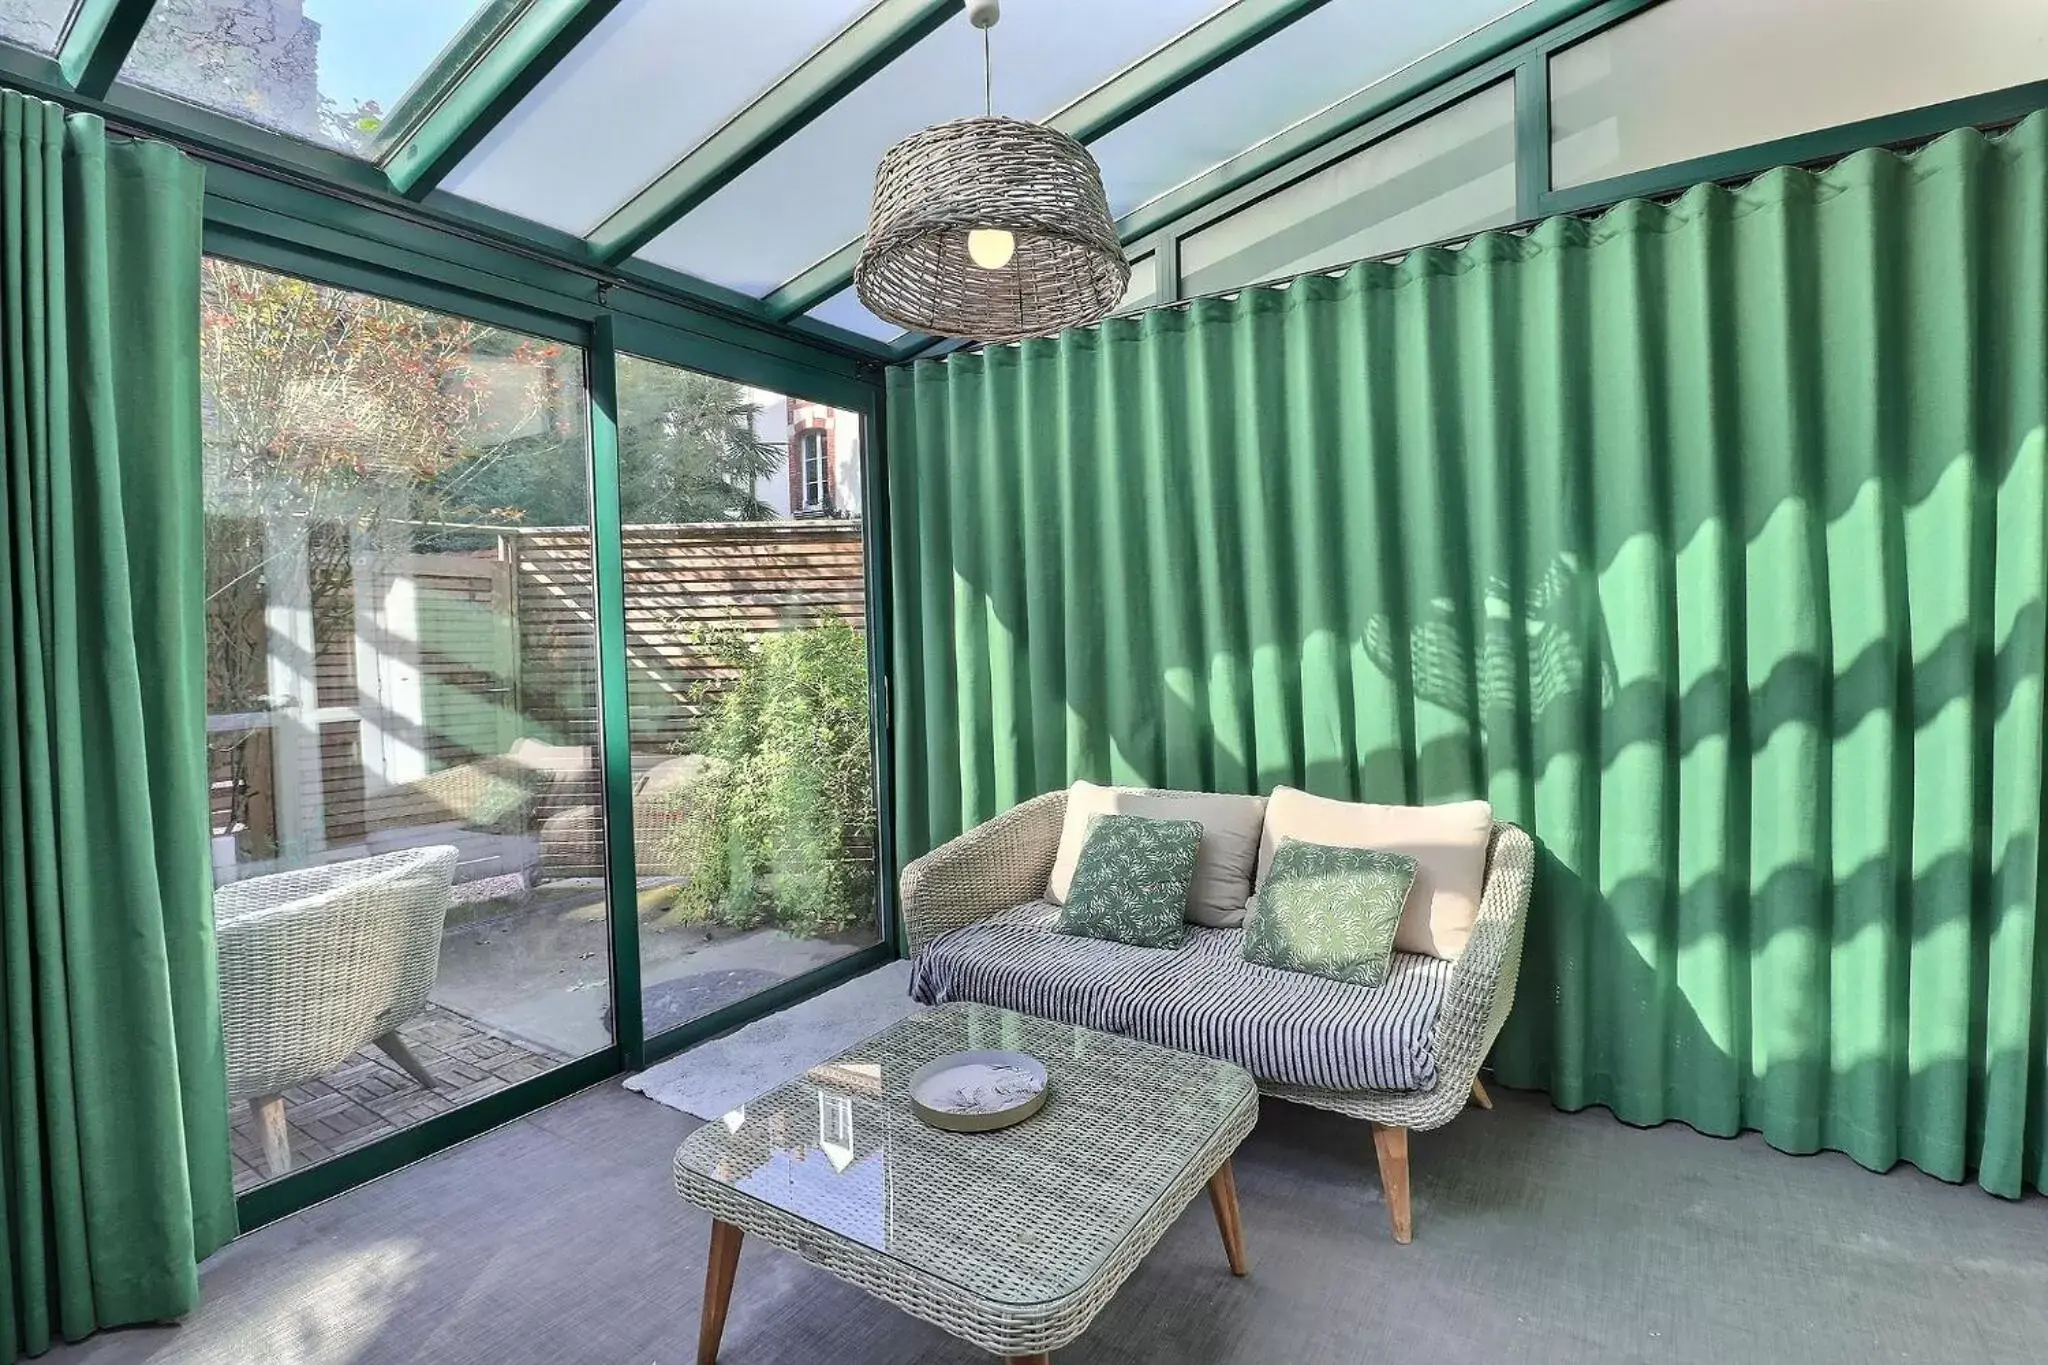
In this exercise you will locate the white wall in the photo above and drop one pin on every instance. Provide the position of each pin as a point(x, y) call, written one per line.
point(771, 424)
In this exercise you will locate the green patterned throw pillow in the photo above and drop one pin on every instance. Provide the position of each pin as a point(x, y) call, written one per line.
point(1329, 911)
point(1131, 883)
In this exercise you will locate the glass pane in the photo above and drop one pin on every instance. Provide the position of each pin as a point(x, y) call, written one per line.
point(810, 196)
point(401, 684)
point(328, 71)
point(37, 24)
point(1143, 290)
point(1694, 77)
point(1448, 176)
point(1306, 67)
point(669, 72)
point(754, 804)
point(845, 309)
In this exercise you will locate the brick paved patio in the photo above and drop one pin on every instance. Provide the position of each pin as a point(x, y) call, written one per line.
point(367, 1096)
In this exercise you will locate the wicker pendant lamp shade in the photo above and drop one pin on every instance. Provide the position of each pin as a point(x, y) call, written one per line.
point(990, 229)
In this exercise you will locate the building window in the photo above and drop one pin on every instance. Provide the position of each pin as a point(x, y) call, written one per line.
point(814, 472)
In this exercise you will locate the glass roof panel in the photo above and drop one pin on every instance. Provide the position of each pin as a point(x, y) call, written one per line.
point(652, 82)
point(1657, 88)
point(327, 71)
point(1335, 51)
point(1451, 175)
point(809, 197)
point(37, 24)
point(1143, 290)
point(845, 309)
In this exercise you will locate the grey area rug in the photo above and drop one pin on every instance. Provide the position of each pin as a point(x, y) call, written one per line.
point(723, 1074)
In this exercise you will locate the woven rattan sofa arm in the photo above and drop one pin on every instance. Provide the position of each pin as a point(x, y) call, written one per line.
point(996, 866)
point(1482, 987)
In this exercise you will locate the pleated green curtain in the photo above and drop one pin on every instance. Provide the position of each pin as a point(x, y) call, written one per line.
point(114, 1167)
point(1705, 540)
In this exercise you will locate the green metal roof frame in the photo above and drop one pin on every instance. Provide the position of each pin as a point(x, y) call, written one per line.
point(455, 106)
point(879, 36)
point(1517, 47)
point(1494, 52)
point(512, 45)
point(97, 41)
point(476, 100)
point(347, 186)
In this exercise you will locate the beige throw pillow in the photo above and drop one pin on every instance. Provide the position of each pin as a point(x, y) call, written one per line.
point(1223, 862)
point(1448, 844)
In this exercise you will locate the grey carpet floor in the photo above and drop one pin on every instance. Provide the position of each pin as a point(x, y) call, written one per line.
point(1539, 1237)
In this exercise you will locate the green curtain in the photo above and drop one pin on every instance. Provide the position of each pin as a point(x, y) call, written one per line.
point(114, 1166)
point(1706, 540)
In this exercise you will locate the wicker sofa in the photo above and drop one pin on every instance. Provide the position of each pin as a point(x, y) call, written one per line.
point(1004, 863)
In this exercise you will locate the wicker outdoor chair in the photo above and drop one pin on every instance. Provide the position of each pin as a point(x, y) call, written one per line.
point(318, 963)
point(1006, 862)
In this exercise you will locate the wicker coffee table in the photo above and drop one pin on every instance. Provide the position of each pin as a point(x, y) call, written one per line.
point(1011, 1240)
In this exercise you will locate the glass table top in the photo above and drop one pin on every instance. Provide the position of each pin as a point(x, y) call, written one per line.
point(1023, 1216)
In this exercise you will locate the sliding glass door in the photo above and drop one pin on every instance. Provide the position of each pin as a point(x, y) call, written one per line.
point(414, 885)
point(753, 774)
point(407, 809)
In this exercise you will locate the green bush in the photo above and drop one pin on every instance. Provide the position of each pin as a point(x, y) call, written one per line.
point(782, 828)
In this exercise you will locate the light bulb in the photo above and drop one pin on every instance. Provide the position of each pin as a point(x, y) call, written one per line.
point(991, 248)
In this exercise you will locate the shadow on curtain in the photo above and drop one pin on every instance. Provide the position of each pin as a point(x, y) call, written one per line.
point(114, 1167)
point(1706, 540)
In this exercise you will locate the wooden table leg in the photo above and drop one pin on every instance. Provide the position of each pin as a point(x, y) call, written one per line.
point(1223, 1197)
point(1479, 1095)
point(718, 1277)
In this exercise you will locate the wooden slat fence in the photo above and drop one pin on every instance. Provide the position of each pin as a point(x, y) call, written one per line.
point(506, 646)
point(682, 582)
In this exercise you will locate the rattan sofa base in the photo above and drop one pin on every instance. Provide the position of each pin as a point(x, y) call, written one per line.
point(1005, 862)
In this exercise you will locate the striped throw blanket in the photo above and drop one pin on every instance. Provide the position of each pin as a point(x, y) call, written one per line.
point(1201, 997)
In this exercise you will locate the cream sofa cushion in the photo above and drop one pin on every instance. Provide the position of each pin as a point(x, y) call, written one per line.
point(1448, 844)
point(1223, 862)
